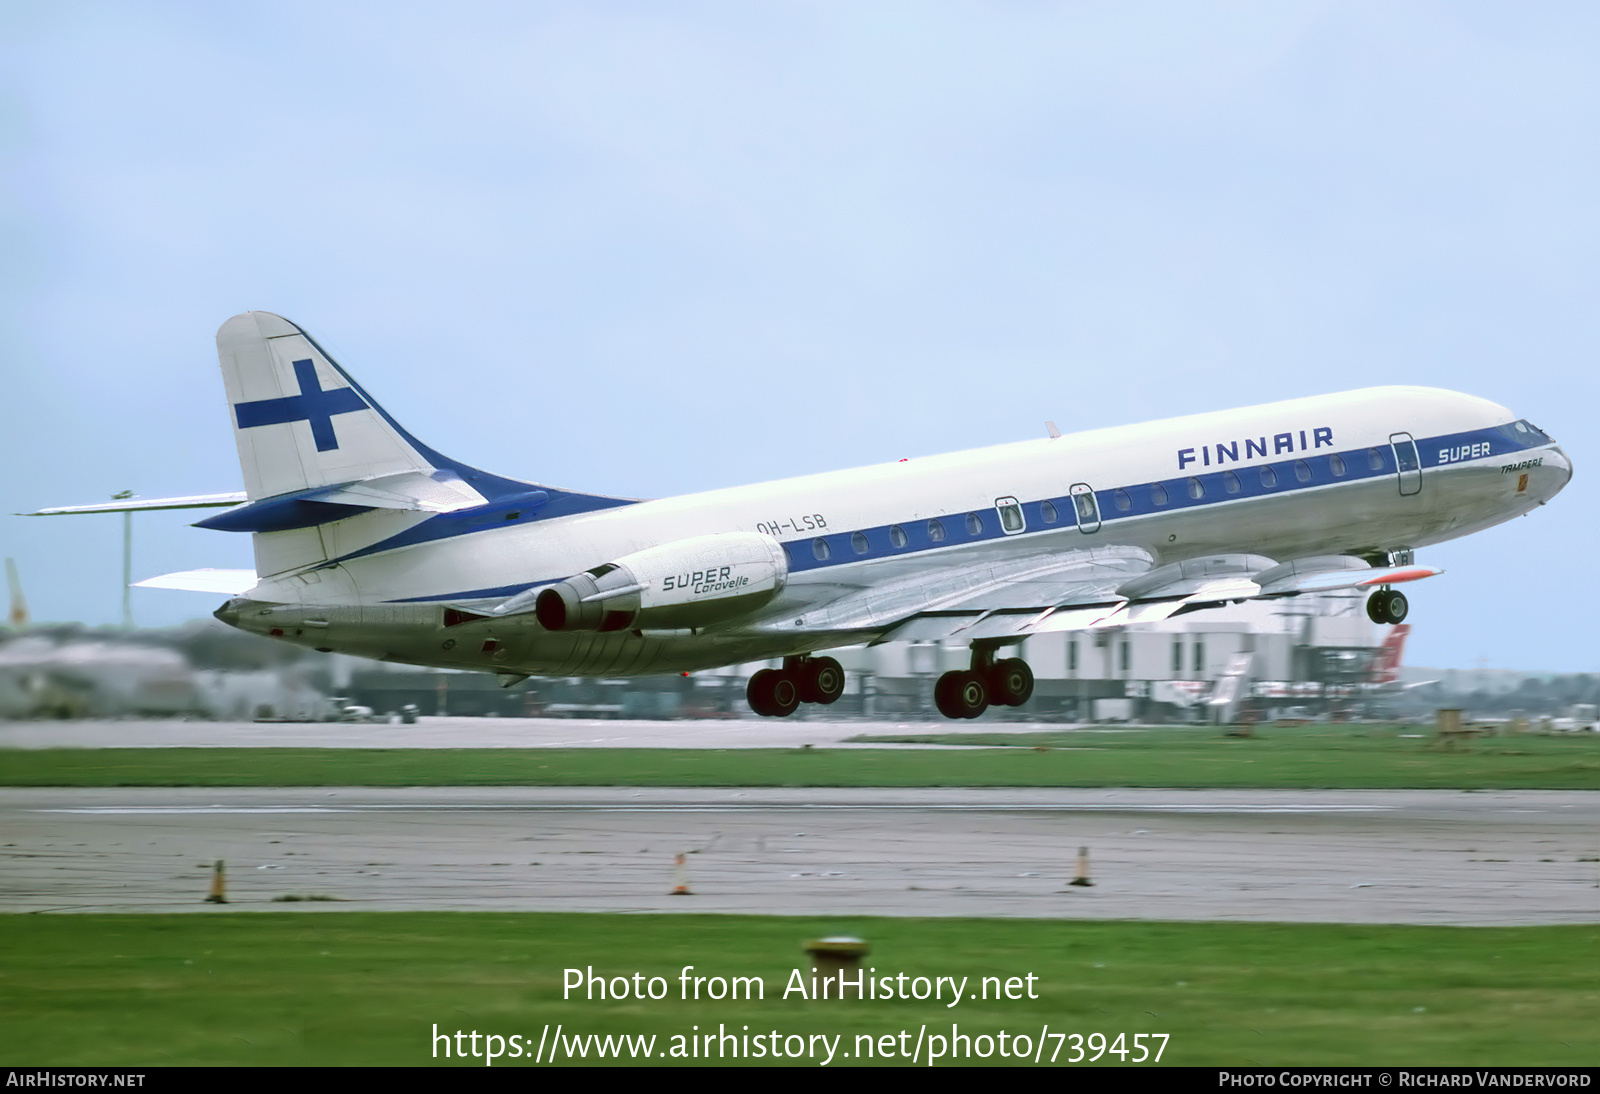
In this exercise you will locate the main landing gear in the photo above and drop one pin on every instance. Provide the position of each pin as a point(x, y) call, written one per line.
point(778, 693)
point(1387, 606)
point(967, 694)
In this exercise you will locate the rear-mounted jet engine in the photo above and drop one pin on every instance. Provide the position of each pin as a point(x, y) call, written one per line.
point(686, 583)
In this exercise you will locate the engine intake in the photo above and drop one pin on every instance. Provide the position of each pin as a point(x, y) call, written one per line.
point(687, 583)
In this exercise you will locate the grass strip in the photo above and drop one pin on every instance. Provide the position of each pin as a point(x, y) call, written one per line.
point(333, 988)
point(1291, 758)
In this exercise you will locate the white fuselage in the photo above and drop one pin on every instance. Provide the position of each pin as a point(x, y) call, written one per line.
point(1341, 482)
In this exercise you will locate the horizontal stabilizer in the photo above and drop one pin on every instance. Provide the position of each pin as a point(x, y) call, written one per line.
point(409, 491)
point(135, 505)
point(222, 582)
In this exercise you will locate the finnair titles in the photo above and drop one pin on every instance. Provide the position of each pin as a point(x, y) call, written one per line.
point(369, 542)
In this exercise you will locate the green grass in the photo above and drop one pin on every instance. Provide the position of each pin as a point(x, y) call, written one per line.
point(1306, 756)
point(368, 988)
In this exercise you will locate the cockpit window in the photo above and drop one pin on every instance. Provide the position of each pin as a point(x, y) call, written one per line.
point(1524, 433)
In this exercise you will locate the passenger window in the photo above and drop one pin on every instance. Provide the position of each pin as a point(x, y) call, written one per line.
point(1158, 494)
point(1336, 465)
point(1048, 512)
point(1230, 482)
point(819, 549)
point(1088, 513)
point(974, 524)
point(1010, 511)
point(1269, 477)
point(1374, 460)
point(858, 542)
point(1122, 500)
point(1302, 470)
point(897, 536)
point(935, 531)
point(1197, 489)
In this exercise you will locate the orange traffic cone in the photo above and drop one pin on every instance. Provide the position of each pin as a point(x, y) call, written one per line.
point(680, 877)
point(1082, 875)
point(219, 888)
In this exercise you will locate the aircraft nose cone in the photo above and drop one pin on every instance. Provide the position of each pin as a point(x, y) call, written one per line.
point(1563, 461)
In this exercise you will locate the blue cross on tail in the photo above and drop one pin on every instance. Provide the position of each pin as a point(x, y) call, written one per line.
point(312, 405)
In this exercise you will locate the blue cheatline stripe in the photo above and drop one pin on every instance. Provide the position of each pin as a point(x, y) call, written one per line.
point(1140, 500)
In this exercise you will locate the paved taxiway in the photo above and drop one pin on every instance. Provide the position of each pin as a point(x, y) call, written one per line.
point(1341, 856)
point(429, 732)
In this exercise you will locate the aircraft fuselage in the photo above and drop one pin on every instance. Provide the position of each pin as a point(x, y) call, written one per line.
point(1369, 473)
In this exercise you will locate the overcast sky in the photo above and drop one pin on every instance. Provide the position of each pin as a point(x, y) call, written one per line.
point(655, 248)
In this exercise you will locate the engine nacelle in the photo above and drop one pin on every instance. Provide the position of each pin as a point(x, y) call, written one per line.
point(687, 583)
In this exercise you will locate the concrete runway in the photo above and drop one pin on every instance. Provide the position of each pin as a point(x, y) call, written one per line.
point(1448, 857)
point(749, 732)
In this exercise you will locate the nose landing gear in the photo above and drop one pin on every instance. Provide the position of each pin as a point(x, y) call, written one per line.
point(1387, 606)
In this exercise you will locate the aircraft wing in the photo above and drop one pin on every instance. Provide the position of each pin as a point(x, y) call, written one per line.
point(1102, 587)
point(957, 594)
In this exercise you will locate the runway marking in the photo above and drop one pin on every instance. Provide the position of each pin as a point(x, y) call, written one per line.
point(667, 807)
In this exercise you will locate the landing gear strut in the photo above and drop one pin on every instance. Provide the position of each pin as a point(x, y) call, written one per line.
point(1387, 606)
point(778, 693)
point(967, 694)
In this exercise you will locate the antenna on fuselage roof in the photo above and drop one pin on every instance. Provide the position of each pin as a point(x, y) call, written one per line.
point(1050, 428)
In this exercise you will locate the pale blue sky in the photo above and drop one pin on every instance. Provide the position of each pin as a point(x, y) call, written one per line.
point(655, 248)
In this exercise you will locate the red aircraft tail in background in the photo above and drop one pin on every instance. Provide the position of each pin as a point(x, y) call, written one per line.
point(1386, 665)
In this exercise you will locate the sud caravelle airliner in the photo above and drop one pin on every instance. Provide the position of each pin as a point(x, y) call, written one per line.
point(368, 542)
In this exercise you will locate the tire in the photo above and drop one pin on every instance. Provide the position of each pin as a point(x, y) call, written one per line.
point(944, 695)
point(1387, 606)
point(972, 694)
point(758, 693)
point(1010, 682)
point(1396, 607)
point(785, 694)
point(1377, 607)
point(961, 695)
point(772, 694)
point(821, 681)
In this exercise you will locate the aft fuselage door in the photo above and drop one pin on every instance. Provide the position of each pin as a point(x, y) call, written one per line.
point(1406, 462)
point(1086, 507)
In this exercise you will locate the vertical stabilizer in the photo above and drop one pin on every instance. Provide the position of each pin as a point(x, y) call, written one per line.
point(328, 473)
point(1386, 665)
point(298, 420)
